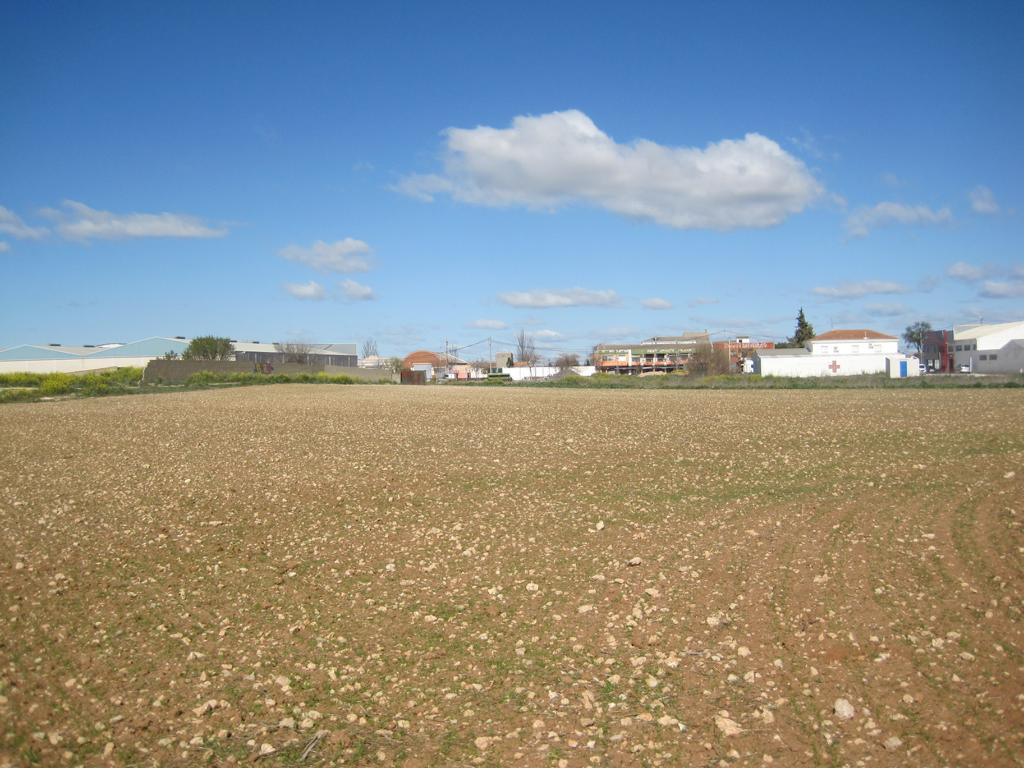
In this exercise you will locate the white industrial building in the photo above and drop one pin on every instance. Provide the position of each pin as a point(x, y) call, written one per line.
point(59, 358)
point(838, 353)
point(991, 348)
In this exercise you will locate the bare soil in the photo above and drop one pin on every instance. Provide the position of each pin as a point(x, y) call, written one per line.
point(417, 576)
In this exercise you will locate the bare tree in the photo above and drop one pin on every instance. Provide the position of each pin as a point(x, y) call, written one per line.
point(393, 364)
point(369, 348)
point(526, 351)
point(708, 361)
point(567, 360)
point(294, 351)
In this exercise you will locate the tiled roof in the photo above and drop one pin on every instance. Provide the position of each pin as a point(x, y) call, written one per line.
point(857, 334)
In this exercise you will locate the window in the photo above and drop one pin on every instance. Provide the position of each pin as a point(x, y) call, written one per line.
point(984, 357)
point(991, 357)
point(959, 348)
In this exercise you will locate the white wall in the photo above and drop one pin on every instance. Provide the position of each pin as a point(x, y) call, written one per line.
point(855, 347)
point(818, 365)
point(545, 371)
point(71, 365)
point(1009, 359)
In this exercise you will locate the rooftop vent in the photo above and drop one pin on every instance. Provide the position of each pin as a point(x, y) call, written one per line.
point(54, 345)
point(89, 346)
point(255, 341)
point(179, 337)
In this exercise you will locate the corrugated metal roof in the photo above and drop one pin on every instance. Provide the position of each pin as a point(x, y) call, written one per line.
point(786, 352)
point(155, 346)
point(314, 349)
point(41, 352)
point(977, 331)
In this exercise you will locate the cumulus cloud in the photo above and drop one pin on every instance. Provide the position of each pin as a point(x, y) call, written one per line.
point(656, 303)
point(13, 225)
point(489, 325)
point(863, 220)
point(311, 291)
point(356, 291)
point(983, 201)
point(855, 290)
point(560, 158)
point(348, 255)
point(969, 273)
point(574, 297)
point(999, 289)
point(80, 222)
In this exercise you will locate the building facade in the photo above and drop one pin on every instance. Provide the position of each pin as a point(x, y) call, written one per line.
point(937, 352)
point(838, 353)
point(992, 348)
point(659, 353)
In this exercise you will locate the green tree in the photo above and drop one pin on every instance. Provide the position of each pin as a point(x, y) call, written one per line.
point(209, 348)
point(803, 333)
point(915, 334)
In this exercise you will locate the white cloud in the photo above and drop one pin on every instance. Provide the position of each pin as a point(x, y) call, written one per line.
point(348, 255)
point(995, 289)
point(969, 273)
point(574, 297)
point(983, 201)
point(311, 291)
point(13, 225)
point(856, 290)
point(656, 303)
point(560, 158)
point(356, 291)
point(883, 309)
point(80, 222)
point(547, 334)
point(489, 325)
point(4, 247)
point(863, 220)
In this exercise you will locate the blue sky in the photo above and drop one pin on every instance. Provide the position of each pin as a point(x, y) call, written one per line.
point(585, 171)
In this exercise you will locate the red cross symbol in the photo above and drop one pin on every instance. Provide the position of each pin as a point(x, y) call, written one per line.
point(834, 367)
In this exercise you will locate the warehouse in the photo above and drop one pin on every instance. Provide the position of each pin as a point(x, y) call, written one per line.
point(991, 348)
point(58, 358)
point(838, 353)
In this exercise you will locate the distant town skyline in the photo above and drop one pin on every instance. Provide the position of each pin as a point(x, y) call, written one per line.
point(447, 173)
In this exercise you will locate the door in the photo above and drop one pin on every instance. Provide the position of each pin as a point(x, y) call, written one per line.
point(903, 369)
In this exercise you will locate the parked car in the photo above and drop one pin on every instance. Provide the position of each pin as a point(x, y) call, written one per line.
point(965, 368)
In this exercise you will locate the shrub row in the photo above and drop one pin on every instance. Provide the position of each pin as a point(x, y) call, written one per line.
point(110, 382)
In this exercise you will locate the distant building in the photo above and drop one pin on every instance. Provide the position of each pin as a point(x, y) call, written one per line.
point(937, 351)
point(741, 351)
point(60, 358)
point(838, 353)
point(659, 353)
point(344, 355)
point(992, 348)
point(54, 358)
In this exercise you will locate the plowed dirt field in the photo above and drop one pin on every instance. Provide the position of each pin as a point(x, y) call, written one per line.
point(420, 576)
